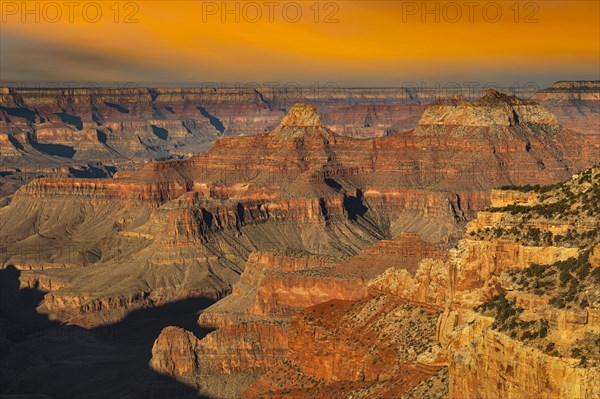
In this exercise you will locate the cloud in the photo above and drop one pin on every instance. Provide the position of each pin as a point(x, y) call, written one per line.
point(369, 46)
point(32, 59)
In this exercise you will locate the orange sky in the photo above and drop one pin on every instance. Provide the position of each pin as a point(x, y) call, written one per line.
point(362, 43)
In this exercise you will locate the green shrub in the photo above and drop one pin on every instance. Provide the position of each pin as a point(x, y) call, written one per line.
point(535, 270)
point(565, 276)
point(544, 329)
point(584, 303)
point(557, 301)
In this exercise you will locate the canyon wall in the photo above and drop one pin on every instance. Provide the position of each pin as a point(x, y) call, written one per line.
point(296, 229)
point(494, 366)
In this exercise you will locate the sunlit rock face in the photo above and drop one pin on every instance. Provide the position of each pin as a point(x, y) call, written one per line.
point(494, 109)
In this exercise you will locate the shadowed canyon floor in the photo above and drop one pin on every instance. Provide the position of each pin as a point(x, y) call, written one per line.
point(339, 265)
point(65, 361)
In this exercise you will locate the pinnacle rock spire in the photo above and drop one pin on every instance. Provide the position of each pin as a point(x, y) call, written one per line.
point(302, 115)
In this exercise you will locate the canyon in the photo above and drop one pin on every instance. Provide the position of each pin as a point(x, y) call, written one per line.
point(99, 131)
point(338, 262)
point(95, 132)
point(505, 314)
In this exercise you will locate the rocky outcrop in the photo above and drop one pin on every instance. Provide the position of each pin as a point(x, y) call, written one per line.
point(429, 287)
point(179, 353)
point(302, 115)
point(494, 109)
point(340, 348)
point(595, 257)
point(276, 286)
point(576, 104)
point(502, 198)
point(41, 282)
point(477, 261)
point(282, 295)
point(469, 273)
point(493, 366)
point(174, 352)
point(252, 323)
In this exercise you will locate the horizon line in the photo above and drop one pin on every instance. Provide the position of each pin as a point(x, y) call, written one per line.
point(417, 85)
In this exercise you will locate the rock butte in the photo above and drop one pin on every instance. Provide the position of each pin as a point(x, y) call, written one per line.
point(95, 132)
point(299, 226)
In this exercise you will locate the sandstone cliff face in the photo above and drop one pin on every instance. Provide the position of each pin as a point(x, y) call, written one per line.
point(536, 340)
point(477, 261)
point(595, 258)
point(428, 288)
point(275, 285)
point(179, 353)
point(470, 274)
point(493, 366)
point(176, 353)
point(501, 198)
point(104, 191)
point(282, 295)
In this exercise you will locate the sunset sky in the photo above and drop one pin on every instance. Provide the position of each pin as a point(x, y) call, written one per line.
point(351, 43)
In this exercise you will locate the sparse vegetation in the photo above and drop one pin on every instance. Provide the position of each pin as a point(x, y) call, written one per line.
point(532, 188)
point(570, 282)
point(562, 215)
point(573, 206)
point(502, 309)
point(508, 320)
point(587, 350)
